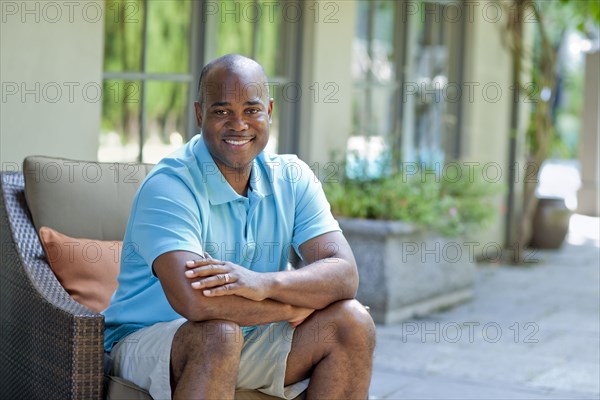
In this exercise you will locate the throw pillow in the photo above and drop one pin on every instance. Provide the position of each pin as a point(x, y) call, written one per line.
point(86, 268)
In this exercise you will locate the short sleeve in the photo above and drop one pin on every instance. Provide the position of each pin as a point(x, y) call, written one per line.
point(312, 215)
point(165, 218)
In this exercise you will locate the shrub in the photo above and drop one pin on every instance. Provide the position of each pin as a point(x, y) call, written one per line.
point(451, 205)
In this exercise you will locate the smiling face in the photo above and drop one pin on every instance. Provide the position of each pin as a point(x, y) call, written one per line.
point(234, 115)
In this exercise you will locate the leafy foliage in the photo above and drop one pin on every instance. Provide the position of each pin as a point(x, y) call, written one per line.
point(452, 205)
point(580, 12)
point(553, 20)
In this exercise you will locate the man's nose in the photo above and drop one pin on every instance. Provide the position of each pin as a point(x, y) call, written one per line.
point(237, 123)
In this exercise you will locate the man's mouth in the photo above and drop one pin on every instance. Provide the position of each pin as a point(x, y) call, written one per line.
point(237, 142)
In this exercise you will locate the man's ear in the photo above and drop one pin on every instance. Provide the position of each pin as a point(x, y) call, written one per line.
point(270, 110)
point(198, 109)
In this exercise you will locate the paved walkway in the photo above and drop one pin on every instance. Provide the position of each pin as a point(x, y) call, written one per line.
point(529, 333)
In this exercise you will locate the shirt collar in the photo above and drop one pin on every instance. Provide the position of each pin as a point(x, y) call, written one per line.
point(218, 189)
point(261, 177)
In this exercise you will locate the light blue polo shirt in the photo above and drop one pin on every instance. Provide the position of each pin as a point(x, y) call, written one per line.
point(185, 203)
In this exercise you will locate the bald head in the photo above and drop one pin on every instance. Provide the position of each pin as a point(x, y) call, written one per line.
point(234, 64)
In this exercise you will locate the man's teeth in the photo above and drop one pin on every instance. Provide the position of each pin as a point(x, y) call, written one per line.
point(237, 142)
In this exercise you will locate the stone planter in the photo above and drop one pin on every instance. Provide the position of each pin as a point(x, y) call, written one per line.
point(405, 271)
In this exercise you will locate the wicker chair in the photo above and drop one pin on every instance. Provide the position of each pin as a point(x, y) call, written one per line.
point(51, 347)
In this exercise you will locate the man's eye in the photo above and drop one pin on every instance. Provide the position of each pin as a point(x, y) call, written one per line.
point(252, 110)
point(220, 112)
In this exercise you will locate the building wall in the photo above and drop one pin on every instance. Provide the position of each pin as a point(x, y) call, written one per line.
point(487, 114)
point(66, 55)
point(51, 71)
point(589, 143)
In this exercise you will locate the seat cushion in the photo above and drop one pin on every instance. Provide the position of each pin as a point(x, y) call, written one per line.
point(81, 199)
point(87, 269)
point(121, 389)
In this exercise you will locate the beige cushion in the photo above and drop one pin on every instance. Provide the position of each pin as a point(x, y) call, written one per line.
point(256, 395)
point(120, 389)
point(87, 269)
point(81, 198)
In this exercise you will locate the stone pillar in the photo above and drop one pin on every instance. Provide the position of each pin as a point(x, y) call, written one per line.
point(589, 142)
point(326, 102)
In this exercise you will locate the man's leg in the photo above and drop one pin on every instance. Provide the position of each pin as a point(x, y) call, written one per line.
point(334, 346)
point(205, 358)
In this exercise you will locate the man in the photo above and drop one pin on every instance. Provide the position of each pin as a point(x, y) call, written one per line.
point(205, 302)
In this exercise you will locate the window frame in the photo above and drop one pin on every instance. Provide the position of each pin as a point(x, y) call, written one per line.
point(143, 77)
point(200, 52)
point(403, 137)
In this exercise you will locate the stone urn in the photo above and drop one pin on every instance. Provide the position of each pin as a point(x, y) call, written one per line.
point(550, 223)
point(406, 271)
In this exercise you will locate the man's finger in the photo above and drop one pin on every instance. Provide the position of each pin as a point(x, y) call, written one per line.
point(207, 271)
point(222, 290)
point(220, 279)
point(201, 262)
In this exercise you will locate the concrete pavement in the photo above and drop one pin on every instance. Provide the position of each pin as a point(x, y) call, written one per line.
point(530, 333)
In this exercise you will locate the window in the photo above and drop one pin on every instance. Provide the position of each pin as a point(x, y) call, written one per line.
point(431, 92)
point(153, 55)
point(148, 79)
point(403, 62)
point(374, 71)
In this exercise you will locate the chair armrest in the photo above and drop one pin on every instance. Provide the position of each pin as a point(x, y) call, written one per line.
point(51, 346)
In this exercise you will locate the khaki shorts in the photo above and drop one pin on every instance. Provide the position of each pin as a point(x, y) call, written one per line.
point(144, 357)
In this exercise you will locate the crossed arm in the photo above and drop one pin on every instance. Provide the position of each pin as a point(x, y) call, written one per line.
point(206, 289)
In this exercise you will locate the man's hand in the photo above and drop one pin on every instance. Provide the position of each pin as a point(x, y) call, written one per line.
point(329, 276)
point(223, 278)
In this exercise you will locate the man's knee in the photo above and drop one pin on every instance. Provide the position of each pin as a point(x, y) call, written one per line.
point(352, 324)
point(217, 336)
point(205, 349)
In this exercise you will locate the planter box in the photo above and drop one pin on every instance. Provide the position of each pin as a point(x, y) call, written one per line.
point(405, 271)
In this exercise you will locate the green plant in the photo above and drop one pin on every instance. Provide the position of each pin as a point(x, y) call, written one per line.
point(452, 205)
point(537, 62)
